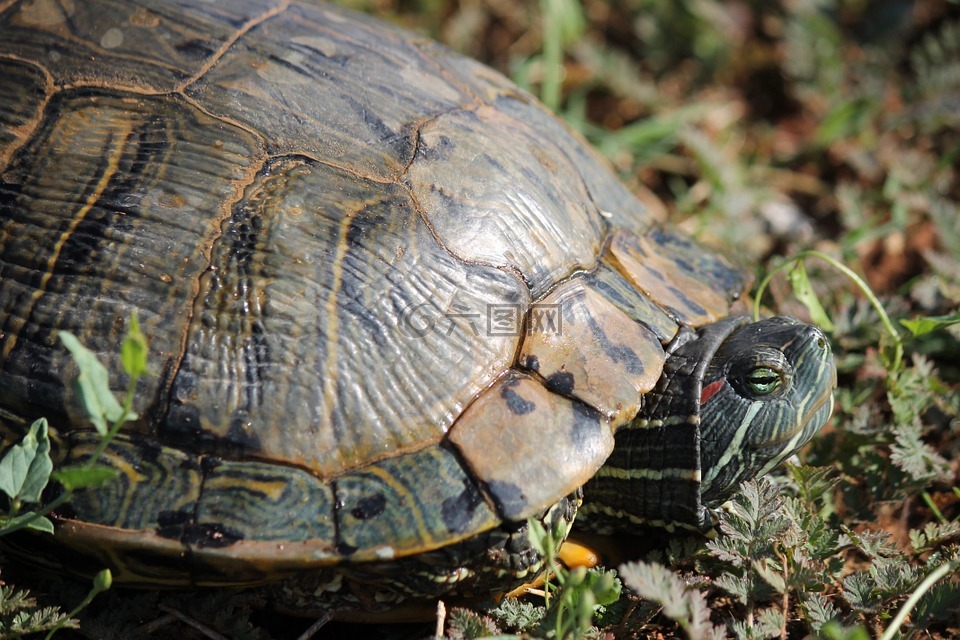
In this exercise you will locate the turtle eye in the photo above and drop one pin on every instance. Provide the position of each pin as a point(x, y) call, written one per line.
point(760, 373)
point(763, 380)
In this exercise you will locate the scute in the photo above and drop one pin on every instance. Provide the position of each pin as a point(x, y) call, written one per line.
point(546, 445)
point(612, 285)
point(353, 96)
point(544, 226)
point(412, 502)
point(123, 232)
point(249, 499)
point(595, 352)
point(153, 482)
point(368, 339)
point(25, 86)
point(152, 47)
point(676, 280)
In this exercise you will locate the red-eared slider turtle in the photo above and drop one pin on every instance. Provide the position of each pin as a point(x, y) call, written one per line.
point(395, 307)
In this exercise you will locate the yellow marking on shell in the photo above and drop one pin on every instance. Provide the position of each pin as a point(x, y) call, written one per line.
point(46, 13)
point(272, 489)
point(128, 471)
point(331, 333)
point(113, 165)
point(609, 471)
point(408, 501)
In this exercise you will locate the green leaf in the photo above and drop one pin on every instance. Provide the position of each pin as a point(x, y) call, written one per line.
point(133, 353)
point(539, 540)
point(35, 522)
point(464, 624)
point(519, 615)
point(93, 384)
point(770, 574)
point(25, 468)
point(916, 458)
point(767, 624)
point(79, 477)
point(818, 610)
point(605, 585)
point(687, 607)
point(846, 119)
point(922, 325)
point(803, 290)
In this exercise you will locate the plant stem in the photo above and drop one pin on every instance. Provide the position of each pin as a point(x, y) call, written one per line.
point(857, 280)
point(914, 598)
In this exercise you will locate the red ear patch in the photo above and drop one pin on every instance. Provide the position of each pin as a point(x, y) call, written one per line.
point(710, 390)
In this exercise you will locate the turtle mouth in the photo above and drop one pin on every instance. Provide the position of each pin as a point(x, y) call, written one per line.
point(790, 443)
point(814, 418)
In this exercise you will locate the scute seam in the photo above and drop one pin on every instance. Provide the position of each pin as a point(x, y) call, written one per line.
point(26, 131)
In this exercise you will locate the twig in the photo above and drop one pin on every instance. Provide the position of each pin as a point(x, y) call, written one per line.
point(316, 626)
point(441, 618)
point(199, 626)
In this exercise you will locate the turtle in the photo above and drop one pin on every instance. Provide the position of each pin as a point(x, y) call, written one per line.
point(396, 309)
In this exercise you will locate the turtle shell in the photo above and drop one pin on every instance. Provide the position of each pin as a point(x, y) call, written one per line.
point(392, 301)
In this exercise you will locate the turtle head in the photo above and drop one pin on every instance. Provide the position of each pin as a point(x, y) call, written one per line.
point(735, 399)
point(765, 391)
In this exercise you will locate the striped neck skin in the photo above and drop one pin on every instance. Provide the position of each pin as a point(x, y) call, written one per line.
point(734, 400)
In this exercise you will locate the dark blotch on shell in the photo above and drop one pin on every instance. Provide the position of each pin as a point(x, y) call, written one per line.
point(369, 507)
point(561, 381)
point(509, 497)
point(586, 424)
point(457, 512)
point(517, 404)
point(532, 363)
point(179, 525)
point(210, 535)
point(170, 519)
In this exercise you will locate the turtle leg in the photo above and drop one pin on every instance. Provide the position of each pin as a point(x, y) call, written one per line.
point(476, 568)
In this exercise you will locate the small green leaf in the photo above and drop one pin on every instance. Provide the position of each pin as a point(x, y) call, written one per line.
point(539, 540)
point(35, 522)
point(606, 585)
point(922, 325)
point(93, 384)
point(25, 468)
point(803, 290)
point(464, 623)
point(78, 477)
point(134, 350)
point(846, 118)
point(686, 606)
point(770, 574)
